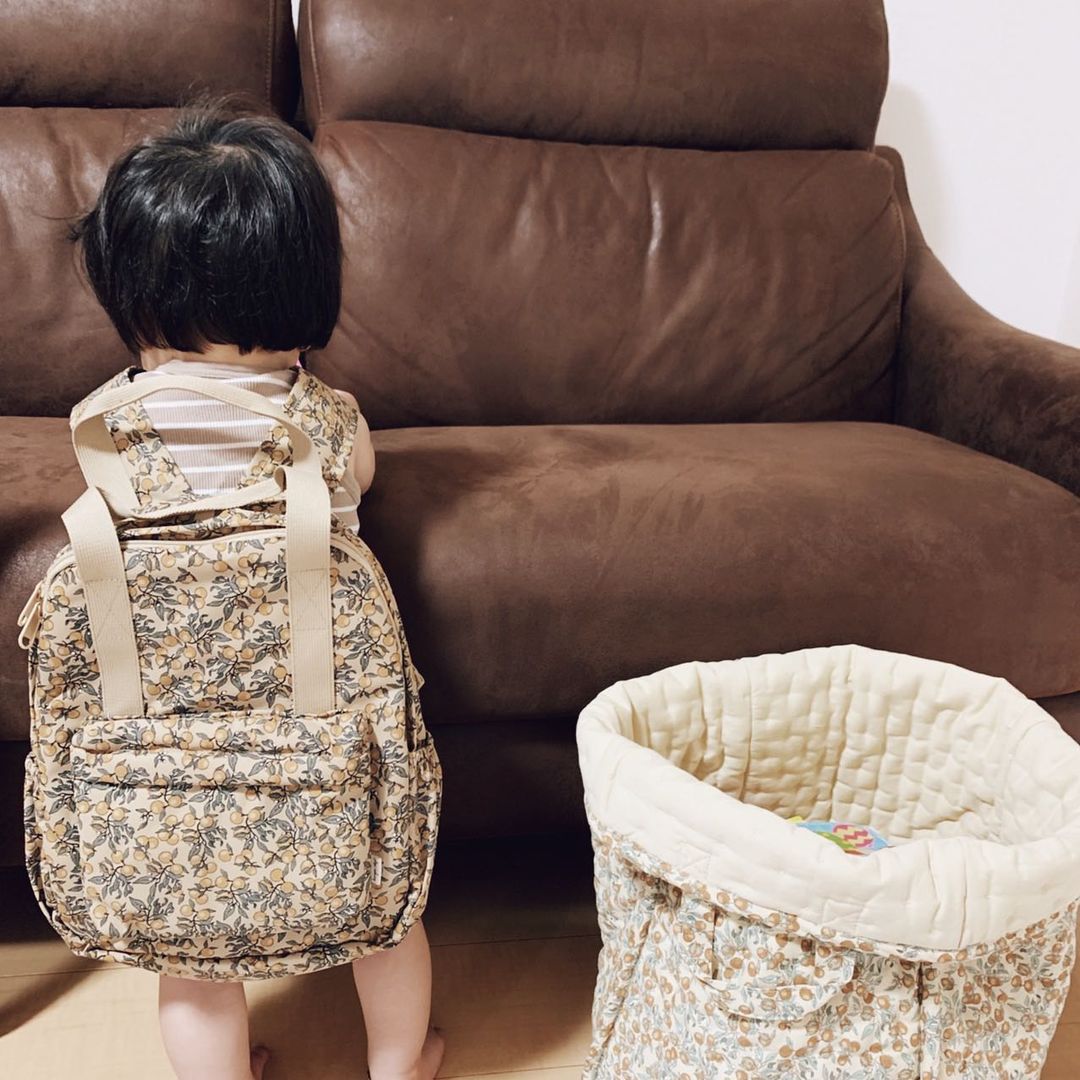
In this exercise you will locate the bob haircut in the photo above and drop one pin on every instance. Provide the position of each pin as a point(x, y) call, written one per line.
point(224, 229)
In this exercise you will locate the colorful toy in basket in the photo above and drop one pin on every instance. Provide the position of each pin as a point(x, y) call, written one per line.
point(852, 839)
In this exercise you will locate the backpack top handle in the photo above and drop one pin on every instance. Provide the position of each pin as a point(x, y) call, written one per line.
point(98, 556)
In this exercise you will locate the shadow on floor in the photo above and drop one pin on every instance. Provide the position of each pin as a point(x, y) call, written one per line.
point(42, 991)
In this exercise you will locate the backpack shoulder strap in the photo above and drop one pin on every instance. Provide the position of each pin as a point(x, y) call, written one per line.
point(154, 474)
point(121, 378)
point(328, 420)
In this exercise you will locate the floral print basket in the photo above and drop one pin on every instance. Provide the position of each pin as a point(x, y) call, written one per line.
point(737, 945)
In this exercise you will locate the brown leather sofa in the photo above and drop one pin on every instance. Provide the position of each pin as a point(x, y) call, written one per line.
point(658, 362)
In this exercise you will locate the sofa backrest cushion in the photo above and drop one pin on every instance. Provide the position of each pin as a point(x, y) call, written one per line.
point(56, 342)
point(493, 280)
point(147, 53)
point(710, 74)
point(80, 82)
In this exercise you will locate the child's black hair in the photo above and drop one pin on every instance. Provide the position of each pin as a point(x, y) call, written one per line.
point(222, 229)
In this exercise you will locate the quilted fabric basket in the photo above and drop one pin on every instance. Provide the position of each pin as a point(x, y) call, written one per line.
point(738, 945)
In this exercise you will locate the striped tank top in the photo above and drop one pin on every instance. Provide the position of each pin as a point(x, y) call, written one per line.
point(212, 442)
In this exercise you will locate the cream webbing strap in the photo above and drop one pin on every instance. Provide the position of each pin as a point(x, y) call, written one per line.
point(307, 561)
point(101, 566)
point(92, 532)
point(97, 548)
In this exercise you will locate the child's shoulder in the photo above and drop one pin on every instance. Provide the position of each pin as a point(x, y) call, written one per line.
point(317, 399)
point(316, 385)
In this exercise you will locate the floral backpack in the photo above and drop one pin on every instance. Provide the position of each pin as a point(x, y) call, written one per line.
point(229, 775)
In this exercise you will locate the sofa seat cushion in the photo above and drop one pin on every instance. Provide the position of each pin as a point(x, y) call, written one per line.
point(535, 565)
point(38, 481)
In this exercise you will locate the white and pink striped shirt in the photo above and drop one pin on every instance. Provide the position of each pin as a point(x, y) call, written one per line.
point(213, 443)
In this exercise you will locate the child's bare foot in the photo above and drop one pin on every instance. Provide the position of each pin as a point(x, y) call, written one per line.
point(260, 1055)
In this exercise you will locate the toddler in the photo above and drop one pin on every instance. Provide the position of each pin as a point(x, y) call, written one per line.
point(214, 249)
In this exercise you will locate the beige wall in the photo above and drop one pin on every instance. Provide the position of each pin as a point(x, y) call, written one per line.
point(983, 101)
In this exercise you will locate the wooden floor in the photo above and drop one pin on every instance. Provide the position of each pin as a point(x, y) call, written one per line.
point(514, 943)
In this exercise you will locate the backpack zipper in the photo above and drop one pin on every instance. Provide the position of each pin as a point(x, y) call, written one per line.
point(30, 617)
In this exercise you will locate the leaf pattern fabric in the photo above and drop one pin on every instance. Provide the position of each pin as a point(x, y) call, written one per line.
point(222, 835)
point(694, 983)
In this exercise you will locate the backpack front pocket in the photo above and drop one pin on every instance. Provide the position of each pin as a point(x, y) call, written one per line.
point(226, 835)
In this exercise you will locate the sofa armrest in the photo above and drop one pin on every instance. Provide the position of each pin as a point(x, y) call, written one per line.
point(971, 378)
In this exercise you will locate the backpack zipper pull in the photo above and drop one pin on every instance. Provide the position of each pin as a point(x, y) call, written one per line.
point(30, 618)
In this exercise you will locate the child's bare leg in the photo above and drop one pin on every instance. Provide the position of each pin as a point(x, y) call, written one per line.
point(204, 1026)
point(394, 988)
